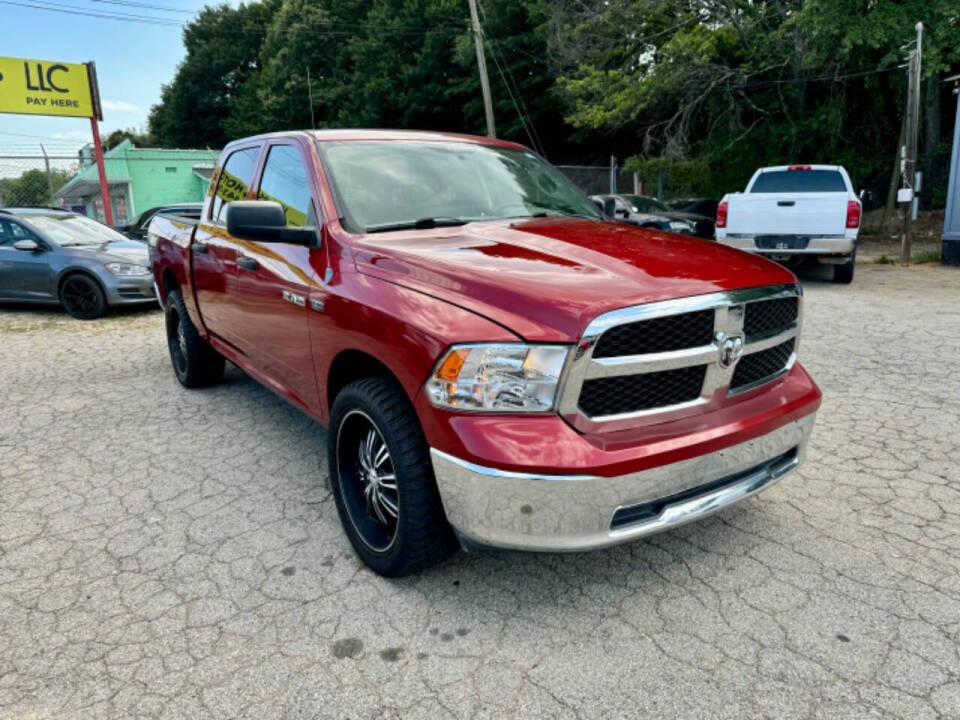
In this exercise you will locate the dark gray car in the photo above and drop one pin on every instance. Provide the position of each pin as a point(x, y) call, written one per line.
point(55, 257)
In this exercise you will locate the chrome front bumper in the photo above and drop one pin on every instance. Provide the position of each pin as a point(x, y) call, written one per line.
point(566, 513)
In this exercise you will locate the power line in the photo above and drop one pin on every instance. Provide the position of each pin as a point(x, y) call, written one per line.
point(56, 7)
point(530, 128)
point(44, 137)
point(146, 6)
point(348, 28)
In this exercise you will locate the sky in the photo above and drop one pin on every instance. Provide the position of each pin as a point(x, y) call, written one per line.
point(133, 57)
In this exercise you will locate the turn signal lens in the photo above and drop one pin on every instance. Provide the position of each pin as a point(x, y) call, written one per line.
point(509, 377)
point(449, 369)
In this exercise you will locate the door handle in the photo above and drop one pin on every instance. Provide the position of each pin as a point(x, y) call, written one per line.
point(247, 263)
point(785, 203)
point(199, 247)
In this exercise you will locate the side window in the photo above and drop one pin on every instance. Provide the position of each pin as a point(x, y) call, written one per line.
point(11, 231)
point(235, 178)
point(285, 181)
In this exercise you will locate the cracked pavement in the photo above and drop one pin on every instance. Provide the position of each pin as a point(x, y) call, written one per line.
point(176, 554)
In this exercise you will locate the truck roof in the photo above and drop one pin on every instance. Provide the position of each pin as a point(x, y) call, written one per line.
point(799, 166)
point(400, 135)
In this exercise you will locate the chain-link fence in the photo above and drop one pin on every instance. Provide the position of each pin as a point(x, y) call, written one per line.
point(33, 180)
point(595, 179)
point(137, 179)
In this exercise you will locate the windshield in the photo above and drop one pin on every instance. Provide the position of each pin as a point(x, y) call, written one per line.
point(641, 204)
point(69, 230)
point(395, 184)
point(799, 181)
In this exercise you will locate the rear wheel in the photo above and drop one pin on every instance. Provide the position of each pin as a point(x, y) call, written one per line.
point(82, 297)
point(382, 480)
point(195, 363)
point(844, 273)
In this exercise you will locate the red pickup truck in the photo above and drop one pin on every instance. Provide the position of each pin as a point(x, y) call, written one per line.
point(499, 364)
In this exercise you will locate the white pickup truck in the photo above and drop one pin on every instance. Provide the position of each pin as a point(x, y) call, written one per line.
point(794, 213)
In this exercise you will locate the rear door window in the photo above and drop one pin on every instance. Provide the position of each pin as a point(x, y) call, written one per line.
point(787, 181)
point(235, 179)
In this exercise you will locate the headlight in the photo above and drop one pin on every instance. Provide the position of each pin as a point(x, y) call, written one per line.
point(498, 378)
point(127, 269)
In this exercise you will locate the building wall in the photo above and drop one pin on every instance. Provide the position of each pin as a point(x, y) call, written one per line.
point(163, 181)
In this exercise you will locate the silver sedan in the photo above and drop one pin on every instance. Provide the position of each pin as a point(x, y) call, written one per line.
point(52, 257)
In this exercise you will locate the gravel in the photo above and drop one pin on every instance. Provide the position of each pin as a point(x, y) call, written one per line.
point(176, 554)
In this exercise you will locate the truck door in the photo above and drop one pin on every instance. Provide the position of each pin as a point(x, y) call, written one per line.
point(275, 280)
point(214, 252)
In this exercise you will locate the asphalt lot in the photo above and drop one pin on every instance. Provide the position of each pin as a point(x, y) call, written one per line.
point(166, 553)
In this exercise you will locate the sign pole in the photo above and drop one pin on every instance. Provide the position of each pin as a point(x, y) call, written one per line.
point(104, 191)
point(97, 147)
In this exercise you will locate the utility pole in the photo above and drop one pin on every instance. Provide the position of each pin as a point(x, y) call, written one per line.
point(482, 64)
point(313, 124)
point(910, 154)
point(46, 161)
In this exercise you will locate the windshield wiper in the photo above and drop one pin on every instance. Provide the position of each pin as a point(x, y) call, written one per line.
point(421, 224)
point(565, 211)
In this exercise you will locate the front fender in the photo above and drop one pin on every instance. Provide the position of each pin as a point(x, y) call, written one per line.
point(405, 330)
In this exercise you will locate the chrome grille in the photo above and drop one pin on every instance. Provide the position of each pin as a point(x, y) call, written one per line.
point(761, 365)
point(673, 332)
point(631, 393)
point(656, 362)
point(760, 318)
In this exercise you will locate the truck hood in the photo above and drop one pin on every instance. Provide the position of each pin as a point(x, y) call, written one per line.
point(546, 279)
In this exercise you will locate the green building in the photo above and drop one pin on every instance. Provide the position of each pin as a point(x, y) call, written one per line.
point(139, 179)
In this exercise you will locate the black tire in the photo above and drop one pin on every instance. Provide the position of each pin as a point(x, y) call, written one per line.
point(82, 297)
point(844, 273)
point(418, 535)
point(195, 363)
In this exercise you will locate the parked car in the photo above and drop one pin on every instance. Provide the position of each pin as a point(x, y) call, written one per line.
point(795, 214)
point(649, 212)
point(704, 209)
point(496, 362)
point(137, 227)
point(50, 256)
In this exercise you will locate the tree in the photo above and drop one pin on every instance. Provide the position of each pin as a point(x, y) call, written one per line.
point(137, 138)
point(222, 55)
point(372, 63)
point(31, 188)
point(745, 84)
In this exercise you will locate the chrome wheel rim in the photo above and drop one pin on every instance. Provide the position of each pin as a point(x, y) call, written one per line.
point(368, 481)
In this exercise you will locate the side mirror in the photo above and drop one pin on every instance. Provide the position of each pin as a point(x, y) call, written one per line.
point(265, 221)
point(27, 246)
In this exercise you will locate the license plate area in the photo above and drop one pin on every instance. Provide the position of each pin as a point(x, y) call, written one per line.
point(782, 242)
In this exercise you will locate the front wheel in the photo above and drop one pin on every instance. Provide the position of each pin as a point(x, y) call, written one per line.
point(382, 480)
point(82, 297)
